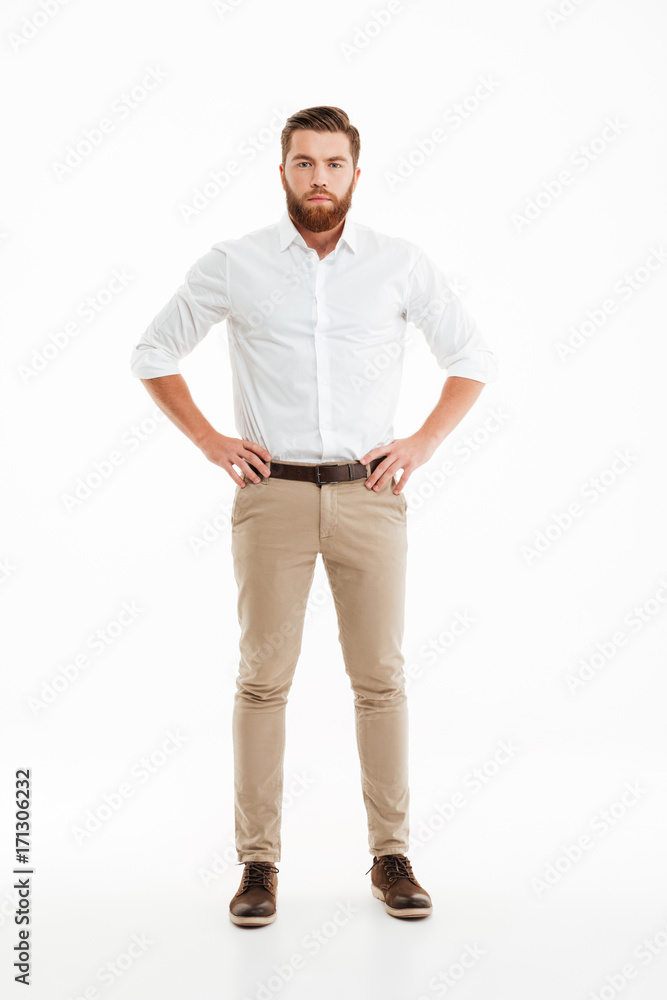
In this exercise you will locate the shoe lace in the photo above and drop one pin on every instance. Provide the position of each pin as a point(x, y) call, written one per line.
point(396, 866)
point(257, 873)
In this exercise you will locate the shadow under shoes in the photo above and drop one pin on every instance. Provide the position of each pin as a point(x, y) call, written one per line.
point(393, 881)
point(254, 904)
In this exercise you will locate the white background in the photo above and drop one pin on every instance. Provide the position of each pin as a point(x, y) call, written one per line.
point(484, 540)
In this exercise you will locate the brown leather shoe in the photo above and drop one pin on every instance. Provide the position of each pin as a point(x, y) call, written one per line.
point(255, 902)
point(393, 881)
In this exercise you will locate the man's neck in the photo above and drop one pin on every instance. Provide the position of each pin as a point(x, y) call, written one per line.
point(324, 242)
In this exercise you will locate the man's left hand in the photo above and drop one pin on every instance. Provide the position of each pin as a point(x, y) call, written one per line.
point(404, 453)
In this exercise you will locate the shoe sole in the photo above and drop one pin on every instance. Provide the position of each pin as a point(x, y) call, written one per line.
point(414, 911)
point(252, 921)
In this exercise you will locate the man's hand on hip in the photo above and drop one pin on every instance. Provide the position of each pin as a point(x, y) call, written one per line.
point(404, 453)
point(228, 452)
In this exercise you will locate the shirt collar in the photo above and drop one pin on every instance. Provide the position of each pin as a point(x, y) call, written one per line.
point(288, 233)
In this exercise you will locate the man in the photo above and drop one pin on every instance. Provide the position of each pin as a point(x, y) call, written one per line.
point(310, 303)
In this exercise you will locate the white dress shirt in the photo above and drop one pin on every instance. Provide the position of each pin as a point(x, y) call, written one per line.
point(316, 346)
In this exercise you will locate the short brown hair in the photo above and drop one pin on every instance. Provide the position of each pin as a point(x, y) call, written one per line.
point(322, 119)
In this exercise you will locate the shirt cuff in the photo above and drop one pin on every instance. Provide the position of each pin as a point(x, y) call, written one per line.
point(150, 362)
point(483, 367)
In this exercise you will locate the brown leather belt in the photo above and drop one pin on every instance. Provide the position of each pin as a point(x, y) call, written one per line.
point(319, 474)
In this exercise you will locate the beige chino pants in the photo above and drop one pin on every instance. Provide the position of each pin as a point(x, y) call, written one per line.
point(278, 529)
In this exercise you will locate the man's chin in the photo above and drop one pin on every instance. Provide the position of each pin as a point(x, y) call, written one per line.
point(320, 225)
point(321, 220)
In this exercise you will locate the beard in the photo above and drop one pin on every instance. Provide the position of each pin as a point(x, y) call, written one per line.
point(318, 217)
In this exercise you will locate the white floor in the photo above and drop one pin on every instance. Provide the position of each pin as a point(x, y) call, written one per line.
point(149, 926)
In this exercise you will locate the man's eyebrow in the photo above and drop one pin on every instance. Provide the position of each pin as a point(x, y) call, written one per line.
point(328, 159)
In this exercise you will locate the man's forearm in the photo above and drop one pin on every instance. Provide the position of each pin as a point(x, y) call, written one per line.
point(172, 395)
point(457, 396)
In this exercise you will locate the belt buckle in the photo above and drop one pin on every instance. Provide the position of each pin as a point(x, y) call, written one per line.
point(327, 482)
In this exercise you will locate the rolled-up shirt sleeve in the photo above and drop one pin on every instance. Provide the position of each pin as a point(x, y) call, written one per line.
point(196, 305)
point(452, 335)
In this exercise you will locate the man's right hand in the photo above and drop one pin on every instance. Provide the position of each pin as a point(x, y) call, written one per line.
point(228, 452)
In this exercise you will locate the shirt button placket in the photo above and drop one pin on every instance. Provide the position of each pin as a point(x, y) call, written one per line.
point(323, 359)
